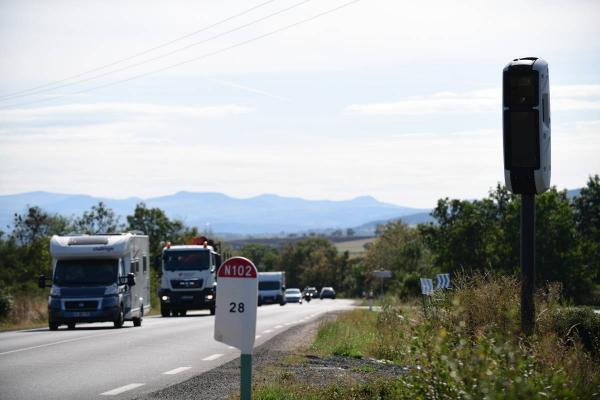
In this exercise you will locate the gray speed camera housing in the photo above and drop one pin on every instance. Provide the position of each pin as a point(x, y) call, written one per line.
point(526, 125)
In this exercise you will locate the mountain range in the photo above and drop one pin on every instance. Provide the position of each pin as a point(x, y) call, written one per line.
point(264, 214)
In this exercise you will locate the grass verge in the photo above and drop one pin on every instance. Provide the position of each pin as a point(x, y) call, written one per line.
point(465, 346)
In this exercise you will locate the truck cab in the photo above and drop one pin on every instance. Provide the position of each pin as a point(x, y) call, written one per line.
point(188, 277)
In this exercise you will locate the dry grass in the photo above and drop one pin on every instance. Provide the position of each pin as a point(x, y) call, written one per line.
point(28, 311)
point(355, 248)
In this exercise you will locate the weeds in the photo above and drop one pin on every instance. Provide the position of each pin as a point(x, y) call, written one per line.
point(28, 310)
point(469, 348)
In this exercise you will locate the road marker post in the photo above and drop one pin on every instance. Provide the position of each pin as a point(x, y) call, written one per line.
point(235, 314)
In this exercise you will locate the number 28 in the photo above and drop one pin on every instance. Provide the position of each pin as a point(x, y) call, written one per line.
point(236, 307)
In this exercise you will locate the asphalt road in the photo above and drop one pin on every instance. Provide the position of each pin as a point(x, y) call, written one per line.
point(97, 361)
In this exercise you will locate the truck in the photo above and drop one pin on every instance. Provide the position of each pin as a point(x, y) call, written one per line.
point(271, 288)
point(98, 278)
point(188, 277)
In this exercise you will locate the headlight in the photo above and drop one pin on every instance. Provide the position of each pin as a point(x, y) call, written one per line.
point(209, 297)
point(110, 290)
point(165, 298)
point(55, 291)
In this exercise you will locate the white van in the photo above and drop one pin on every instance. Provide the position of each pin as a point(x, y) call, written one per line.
point(271, 288)
point(98, 278)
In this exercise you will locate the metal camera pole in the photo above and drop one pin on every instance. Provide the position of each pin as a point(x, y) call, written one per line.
point(527, 263)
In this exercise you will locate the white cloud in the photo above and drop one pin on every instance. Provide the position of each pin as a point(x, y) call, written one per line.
point(563, 98)
point(106, 110)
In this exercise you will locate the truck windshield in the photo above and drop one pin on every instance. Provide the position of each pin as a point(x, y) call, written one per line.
point(192, 260)
point(86, 272)
point(268, 285)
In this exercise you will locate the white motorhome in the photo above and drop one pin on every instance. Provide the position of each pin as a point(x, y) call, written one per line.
point(98, 278)
point(188, 277)
point(271, 288)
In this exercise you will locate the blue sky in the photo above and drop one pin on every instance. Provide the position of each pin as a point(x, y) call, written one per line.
point(398, 100)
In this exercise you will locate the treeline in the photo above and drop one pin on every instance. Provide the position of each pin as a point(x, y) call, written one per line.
point(467, 236)
point(480, 235)
point(24, 253)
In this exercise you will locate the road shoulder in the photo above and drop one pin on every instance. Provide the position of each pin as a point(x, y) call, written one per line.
point(223, 381)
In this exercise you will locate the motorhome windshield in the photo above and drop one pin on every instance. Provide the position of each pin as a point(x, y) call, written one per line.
point(192, 260)
point(268, 285)
point(86, 272)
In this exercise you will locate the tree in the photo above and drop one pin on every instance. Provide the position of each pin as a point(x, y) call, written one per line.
point(464, 235)
point(587, 221)
point(400, 249)
point(36, 224)
point(100, 219)
point(265, 257)
point(312, 262)
point(159, 228)
point(557, 250)
point(25, 254)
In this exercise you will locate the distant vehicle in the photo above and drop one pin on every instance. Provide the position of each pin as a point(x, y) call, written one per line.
point(293, 295)
point(327, 292)
point(98, 278)
point(271, 286)
point(312, 290)
point(188, 277)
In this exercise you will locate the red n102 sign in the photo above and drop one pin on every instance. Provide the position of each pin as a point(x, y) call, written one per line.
point(237, 297)
point(243, 269)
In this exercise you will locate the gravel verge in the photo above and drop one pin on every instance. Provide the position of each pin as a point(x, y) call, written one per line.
point(222, 382)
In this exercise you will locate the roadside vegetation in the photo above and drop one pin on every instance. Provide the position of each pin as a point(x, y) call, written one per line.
point(465, 237)
point(465, 344)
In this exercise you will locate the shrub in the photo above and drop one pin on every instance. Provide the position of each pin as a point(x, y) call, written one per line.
point(580, 323)
point(6, 303)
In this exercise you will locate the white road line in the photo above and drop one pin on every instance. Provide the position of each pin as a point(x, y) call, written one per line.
point(55, 343)
point(268, 331)
point(279, 327)
point(122, 389)
point(257, 336)
point(213, 357)
point(230, 347)
point(176, 370)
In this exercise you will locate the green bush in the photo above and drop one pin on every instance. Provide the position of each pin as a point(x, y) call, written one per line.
point(579, 323)
point(6, 303)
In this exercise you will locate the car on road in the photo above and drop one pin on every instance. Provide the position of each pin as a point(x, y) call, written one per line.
point(293, 295)
point(327, 292)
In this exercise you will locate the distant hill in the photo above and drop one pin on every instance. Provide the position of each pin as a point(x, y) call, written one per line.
point(412, 219)
point(264, 214)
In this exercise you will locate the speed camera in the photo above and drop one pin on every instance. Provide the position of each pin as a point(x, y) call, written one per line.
point(526, 125)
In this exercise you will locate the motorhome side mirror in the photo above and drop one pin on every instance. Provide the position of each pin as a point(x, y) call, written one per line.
point(131, 279)
point(526, 125)
point(42, 281)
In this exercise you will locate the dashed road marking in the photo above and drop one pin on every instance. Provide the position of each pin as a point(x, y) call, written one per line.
point(279, 327)
point(122, 389)
point(268, 331)
point(213, 357)
point(257, 336)
point(176, 370)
